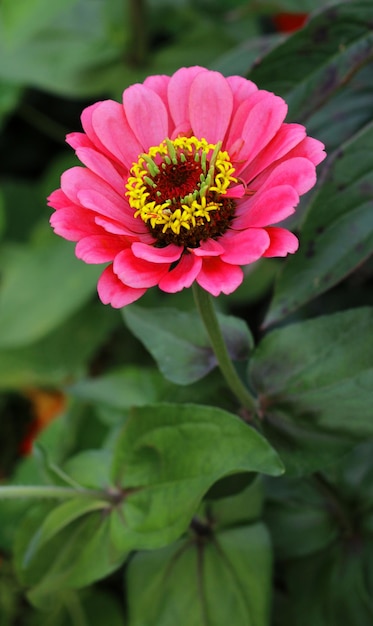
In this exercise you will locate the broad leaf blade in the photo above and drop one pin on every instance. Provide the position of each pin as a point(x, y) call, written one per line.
point(308, 68)
point(179, 343)
point(175, 453)
point(222, 579)
point(315, 382)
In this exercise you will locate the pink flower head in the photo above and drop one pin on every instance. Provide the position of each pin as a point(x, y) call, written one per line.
point(184, 181)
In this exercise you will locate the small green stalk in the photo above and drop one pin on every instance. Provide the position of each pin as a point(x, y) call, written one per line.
point(208, 315)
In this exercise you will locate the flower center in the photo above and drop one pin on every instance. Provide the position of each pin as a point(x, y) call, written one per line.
point(179, 190)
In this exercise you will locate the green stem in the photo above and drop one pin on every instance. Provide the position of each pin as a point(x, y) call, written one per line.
point(12, 492)
point(137, 28)
point(208, 315)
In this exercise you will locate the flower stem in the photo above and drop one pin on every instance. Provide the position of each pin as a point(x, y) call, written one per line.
point(208, 315)
point(12, 492)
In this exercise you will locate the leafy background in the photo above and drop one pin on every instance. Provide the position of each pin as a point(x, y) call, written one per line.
point(275, 550)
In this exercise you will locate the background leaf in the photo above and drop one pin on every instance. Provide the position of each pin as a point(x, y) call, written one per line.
point(320, 58)
point(48, 282)
point(315, 379)
point(180, 345)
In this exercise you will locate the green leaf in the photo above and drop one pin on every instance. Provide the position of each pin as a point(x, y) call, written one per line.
point(314, 380)
point(42, 287)
point(349, 110)
point(72, 48)
point(240, 59)
point(337, 234)
point(299, 518)
point(80, 543)
point(90, 606)
point(90, 468)
point(174, 454)
point(122, 388)
point(339, 583)
point(238, 508)
point(219, 579)
point(309, 67)
point(60, 517)
point(179, 343)
point(53, 360)
point(25, 17)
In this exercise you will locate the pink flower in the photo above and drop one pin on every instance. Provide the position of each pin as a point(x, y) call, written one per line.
point(184, 181)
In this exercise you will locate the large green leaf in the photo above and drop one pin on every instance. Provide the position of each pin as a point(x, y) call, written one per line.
point(42, 286)
point(309, 67)
point(337, 234)
point(349, 110)
point(166, 459)
point(315, 383)
point(179, 343)
point(216, 579)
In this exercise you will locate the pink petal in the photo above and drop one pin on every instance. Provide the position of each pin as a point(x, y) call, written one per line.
point(208, 248)
point(79, 140)
point(106, 204)
point(245, 246)
point(183, 275)
point(85, 188)
point(268, 207)
point(78, 178)
point(239, 118)
point(287, 137)
point(238, 191)
point(241, 89)
point(210, 106)
point(178, 93)
point(58, 200)
point(311, 149)
point(169, 254)
point(282, 243)
point(112, 291)
point(111, 127)
point(260, 126)
point(218, 277)
point(159, 84)
point(86, 119)
point(99, 248)
point(136, 272)
point(298, 172)
point(146, 115)
point(73, 223)
point(115, 228)
point(100, 165)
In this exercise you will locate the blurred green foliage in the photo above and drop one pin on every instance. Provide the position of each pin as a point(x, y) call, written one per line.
point(314, 376)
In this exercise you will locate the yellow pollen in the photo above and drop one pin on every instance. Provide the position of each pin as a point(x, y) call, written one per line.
point(177, 185)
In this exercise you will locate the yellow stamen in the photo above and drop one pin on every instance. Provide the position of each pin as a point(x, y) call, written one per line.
point(158, 190)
